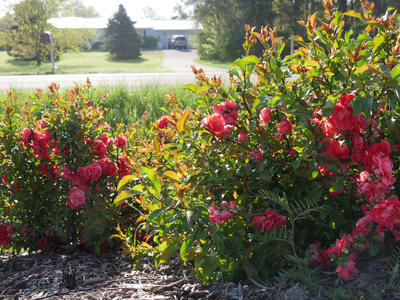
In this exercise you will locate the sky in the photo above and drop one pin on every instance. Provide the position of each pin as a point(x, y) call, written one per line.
point(134, 8)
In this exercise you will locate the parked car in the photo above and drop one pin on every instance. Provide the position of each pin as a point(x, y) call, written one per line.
point(178, 42)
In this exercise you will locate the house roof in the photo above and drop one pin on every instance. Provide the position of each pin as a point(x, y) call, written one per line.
point(97, 23)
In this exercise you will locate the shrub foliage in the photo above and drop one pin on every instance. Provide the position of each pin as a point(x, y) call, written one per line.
point(297, 158)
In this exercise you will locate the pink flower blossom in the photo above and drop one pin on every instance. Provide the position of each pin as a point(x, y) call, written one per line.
point(387, 214)
point(5, 237)
point(285, 127)
point(232, 205)
point(105, 139)
point(346, 270)
point(258, 220)
point(25, 230)
point(224, 204)
point(271, 220)
point(319, 256)
point(100, 149)
point(215, 214)
point(106, 126)
point(76, 198)
point(242, 137)
point(257, 155)
point(92, 172)
point(123, 169)
point(107, 167)
point(214, 123)
point(11, 229)
point(265, 116)
point(26, 135)
point(120, 141)
point(226, 215)
point(163, 122)
point(45, 245)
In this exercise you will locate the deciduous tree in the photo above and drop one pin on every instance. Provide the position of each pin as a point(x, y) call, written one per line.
point(76, 8)
point(30, 20)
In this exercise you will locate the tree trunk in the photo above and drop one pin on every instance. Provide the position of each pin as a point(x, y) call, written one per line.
point(343, 5)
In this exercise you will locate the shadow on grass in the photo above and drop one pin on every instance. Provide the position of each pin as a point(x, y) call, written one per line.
point(127, 61)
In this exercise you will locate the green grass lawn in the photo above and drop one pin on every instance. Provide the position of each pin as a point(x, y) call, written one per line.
point(88, 61)
point(215, 63)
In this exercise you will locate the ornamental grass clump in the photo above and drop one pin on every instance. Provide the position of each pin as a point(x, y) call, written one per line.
point(279, 166)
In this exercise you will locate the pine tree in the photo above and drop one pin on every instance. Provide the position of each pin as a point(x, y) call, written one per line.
point(121, 38)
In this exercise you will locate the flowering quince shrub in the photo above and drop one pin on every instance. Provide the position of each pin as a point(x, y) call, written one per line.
point(273, 165)
point(60, 171)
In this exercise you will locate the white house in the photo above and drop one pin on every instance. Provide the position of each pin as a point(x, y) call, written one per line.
point(162, 30)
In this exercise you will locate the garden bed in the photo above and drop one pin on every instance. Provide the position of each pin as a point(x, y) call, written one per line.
point(78, 274)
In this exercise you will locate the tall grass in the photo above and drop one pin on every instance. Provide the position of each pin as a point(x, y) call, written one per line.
point(126, 105)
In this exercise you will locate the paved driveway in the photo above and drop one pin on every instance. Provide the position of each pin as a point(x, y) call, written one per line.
point(181, 60)
point(177, 61)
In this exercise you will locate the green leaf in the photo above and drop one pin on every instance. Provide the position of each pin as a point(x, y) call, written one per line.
point(126, 179)
point(311, 63)
point(367, 107)
point(296, 164)
point(191, 87)
point(202, 89)
point(348, 35)
point(208, 269)
point(363, 37)
point(357, 105)
point(355, 14)
point(180, 125)
point(121, 197)
point(226, 172)
point(265, 176)
point(337, 186)
point(151, 176)
point(248, 168)
point(395, 72)
point(315, 194)
point(378, 40)
point(219, 241)
point(251, 59)
point(187, 243)
point(168, 252)
point(391, 125)
point(299, 40)
point(278, 98)
point(326, 112)
point(172, 175)
point(155, 214)
point(324, 212)
point(368, 69)
point(332, 168)
point(237, 63)
point(250, 270)
point(313, 165)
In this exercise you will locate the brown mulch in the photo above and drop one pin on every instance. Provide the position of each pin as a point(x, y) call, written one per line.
point(79, 274)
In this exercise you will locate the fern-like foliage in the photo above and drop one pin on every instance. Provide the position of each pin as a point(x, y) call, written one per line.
point(395, 269)
point(306, 278)
point(297, 209)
